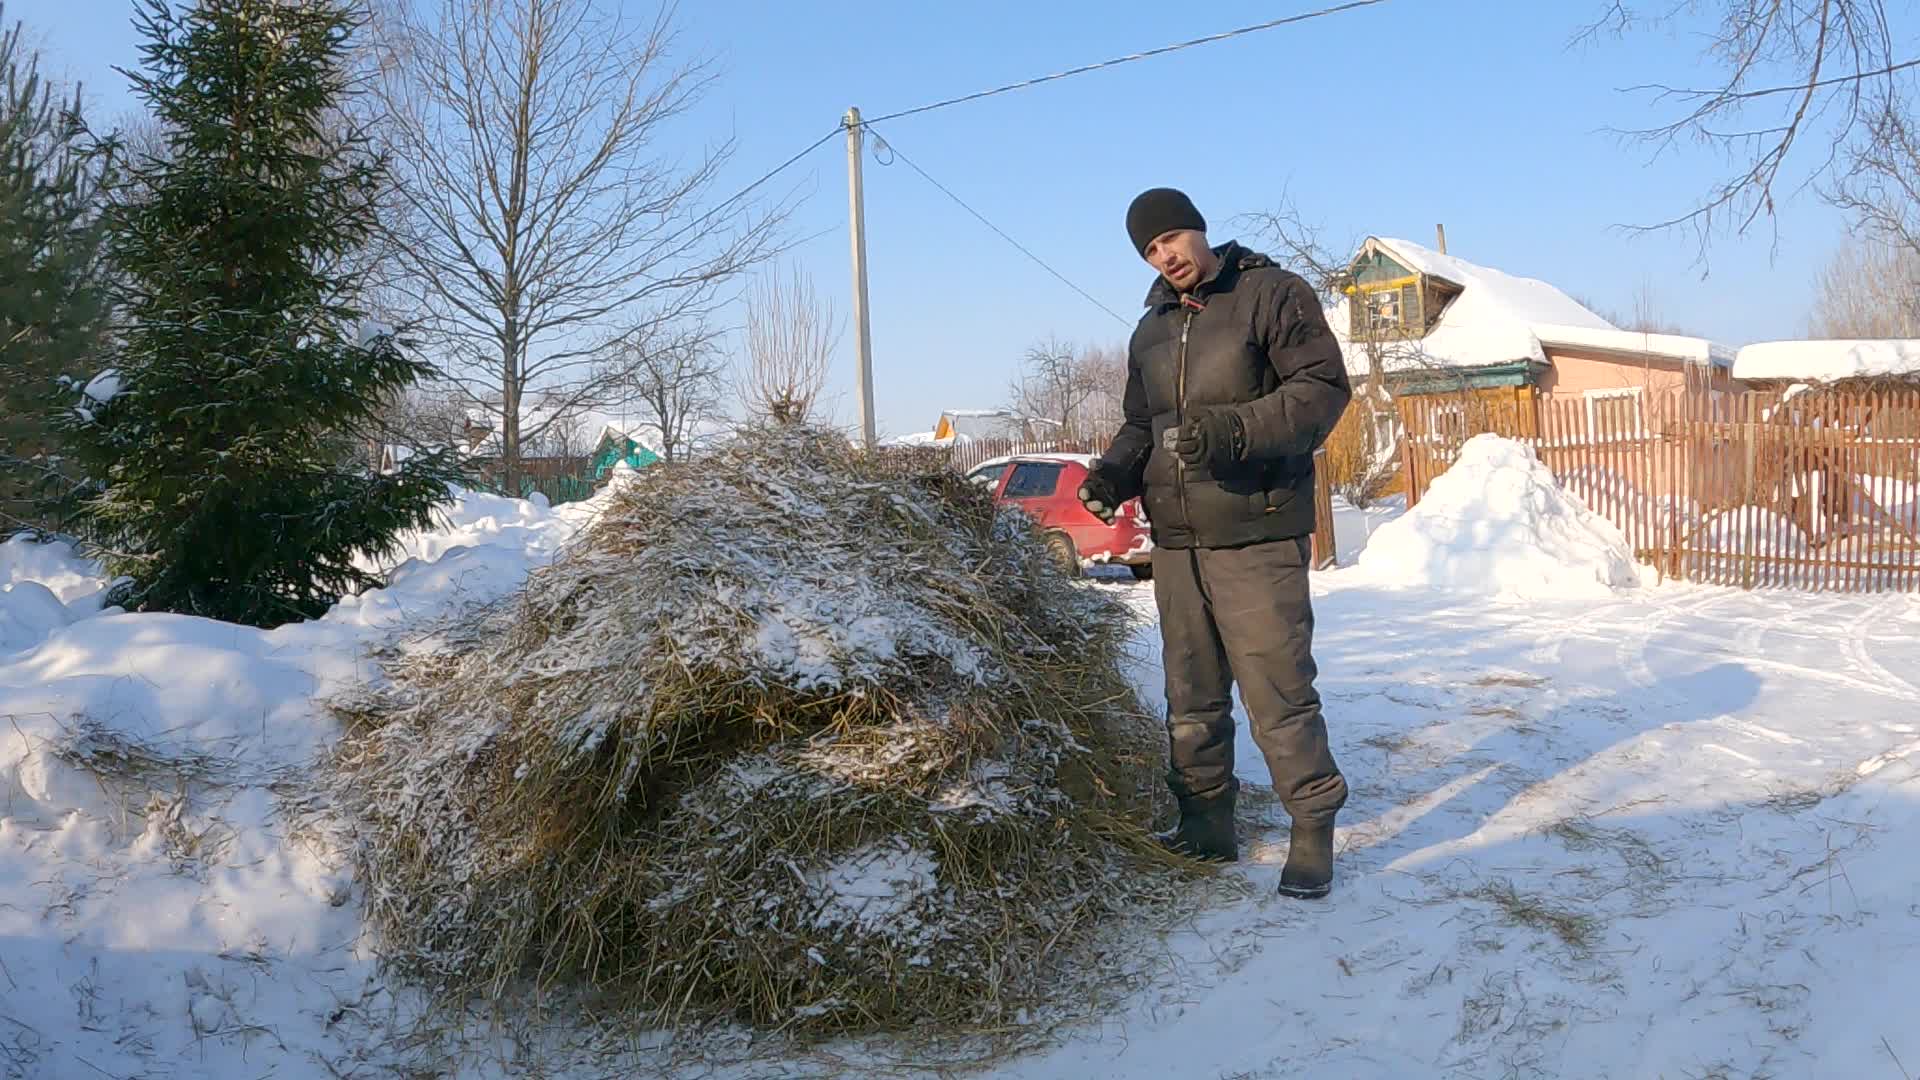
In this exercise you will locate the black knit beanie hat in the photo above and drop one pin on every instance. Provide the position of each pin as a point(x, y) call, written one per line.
point(1160, 210)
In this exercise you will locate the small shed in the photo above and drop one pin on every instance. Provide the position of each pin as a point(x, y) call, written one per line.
point(616, 446)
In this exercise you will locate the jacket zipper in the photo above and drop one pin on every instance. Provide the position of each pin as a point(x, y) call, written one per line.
point(1180, 415)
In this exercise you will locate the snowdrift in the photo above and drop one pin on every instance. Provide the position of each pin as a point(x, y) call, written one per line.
point(1498, 523)
point(160, 861)
point(799, 736)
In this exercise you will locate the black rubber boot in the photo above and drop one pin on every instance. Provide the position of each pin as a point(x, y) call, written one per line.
point(1205, 831)
point(1308, 874)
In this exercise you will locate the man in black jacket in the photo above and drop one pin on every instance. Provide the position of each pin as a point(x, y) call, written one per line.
point(1233, 380)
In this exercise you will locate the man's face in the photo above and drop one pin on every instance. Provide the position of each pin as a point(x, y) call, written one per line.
point(1182, 257)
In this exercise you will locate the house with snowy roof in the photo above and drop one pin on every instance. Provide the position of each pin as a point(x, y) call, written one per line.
point(967, 425)
point(1412, 320)
point(616, 447)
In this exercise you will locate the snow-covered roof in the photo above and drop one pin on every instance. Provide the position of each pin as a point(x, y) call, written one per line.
point(1692, 350)
point(991, 424)
point(618, 433)
point(916, 438)
point(1828, 360)
point(1494, 320)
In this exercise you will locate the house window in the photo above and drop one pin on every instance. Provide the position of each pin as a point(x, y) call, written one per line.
point(1387, 310)
point(1614, 413)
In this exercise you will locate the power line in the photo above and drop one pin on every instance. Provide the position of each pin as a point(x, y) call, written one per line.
point(745, 191)
point(1161, 51)
point(881, 142)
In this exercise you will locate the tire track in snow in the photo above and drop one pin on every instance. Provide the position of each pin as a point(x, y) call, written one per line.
point(1632, 652)
point(1859, 650)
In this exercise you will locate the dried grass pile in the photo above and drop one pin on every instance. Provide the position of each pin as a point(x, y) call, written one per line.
point(793, 735)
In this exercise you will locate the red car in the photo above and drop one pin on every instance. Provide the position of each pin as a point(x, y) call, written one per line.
point(1046, 488)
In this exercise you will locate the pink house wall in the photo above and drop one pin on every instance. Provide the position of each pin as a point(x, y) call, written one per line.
point(1575, 371)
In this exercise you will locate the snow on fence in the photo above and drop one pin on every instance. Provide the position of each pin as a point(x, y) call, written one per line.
point(966, 456)
point(1817, 490)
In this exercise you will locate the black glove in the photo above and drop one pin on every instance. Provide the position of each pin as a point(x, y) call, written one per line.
point(1214, 438)
point(1098, 496)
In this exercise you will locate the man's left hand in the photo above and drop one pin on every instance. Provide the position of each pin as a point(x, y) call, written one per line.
point(1214, 439)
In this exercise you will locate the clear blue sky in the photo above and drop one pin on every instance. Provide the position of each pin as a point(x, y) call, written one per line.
point(1381, 121)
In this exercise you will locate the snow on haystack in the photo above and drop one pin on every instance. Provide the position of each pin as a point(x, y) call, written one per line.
point(796, 735)
point(1498, 523)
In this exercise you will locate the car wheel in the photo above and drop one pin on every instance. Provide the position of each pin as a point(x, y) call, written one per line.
point(1060, 549)
point(1142, 571)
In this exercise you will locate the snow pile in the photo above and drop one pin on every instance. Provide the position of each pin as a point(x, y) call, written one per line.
point(1755, 530)
point(157, 869)
point(1498, 523)
point(43, 587)
point(1828, 360)
point(801, 736)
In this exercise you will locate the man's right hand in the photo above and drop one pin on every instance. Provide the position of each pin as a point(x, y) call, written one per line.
point(1097, 495)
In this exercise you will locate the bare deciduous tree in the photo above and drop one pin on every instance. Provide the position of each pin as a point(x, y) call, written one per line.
point(538, 207)
point(1363, 449)
point(1869, 289)
point(426, 417)
point(675, 383)
point(1647, 315)
point(791, 335)
point(565, 435)
point(1804, 81)
point(1105, 368)
point(1058, 382)
point(1881, 185)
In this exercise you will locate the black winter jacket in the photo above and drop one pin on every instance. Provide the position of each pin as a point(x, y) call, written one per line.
point(1252, 338)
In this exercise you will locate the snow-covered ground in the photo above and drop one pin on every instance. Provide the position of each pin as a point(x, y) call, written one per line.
point(1665, 835)
point(1660, 832)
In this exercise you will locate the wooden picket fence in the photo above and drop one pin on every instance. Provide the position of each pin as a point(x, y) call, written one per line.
point(968, 456)
point(1817, 491)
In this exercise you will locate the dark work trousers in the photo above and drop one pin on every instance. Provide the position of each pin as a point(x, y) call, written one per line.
point(1244, 615)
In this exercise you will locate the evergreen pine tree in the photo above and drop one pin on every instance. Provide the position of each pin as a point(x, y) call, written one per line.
point(52, 308)
point(223, 483)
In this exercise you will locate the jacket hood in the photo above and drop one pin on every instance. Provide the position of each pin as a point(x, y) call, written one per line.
point(1233, 259)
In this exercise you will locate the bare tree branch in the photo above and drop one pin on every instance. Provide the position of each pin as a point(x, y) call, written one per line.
point(541, 223)
point(675, 379)
point(1776, 92)
point(791, 335)
point(1060, 382)
point(1869, 289)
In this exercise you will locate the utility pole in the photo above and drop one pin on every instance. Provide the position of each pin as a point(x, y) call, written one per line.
point(857, 225)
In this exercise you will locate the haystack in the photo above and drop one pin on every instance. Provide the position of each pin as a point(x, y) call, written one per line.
point(793, 735)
